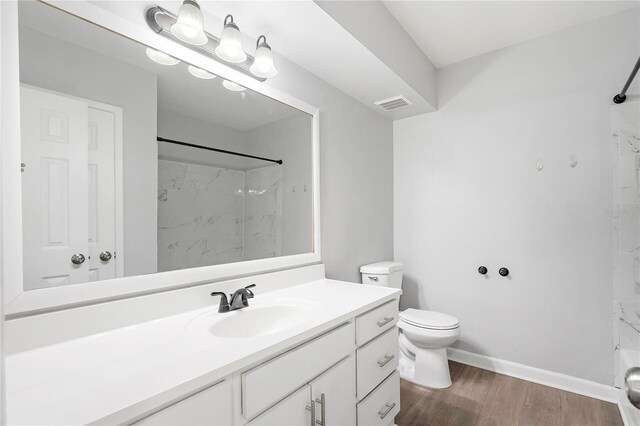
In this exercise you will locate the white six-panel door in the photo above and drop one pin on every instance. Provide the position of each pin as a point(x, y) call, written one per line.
point(68, 192)
point(54, 181)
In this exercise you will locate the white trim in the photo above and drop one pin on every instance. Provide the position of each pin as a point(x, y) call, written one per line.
point(537, 375)
point(623, 414)
point(51, 299)
point(2, 224)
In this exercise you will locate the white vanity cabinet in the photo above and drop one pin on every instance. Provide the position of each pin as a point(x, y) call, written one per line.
point(328, 400)
point(212, 406)
point(377, 356)
point(345, 376)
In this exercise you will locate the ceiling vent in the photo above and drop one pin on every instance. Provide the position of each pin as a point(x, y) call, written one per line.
point(393, 103)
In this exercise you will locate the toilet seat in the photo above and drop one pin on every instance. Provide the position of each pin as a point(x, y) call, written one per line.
point(429, 319)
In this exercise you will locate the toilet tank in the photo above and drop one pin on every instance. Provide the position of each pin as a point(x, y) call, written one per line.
point(385, 274)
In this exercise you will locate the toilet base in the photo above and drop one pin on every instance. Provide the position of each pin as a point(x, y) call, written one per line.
point(429, 369)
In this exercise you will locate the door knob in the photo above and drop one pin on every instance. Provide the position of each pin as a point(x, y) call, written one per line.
point(77, 259)
point(105, 256)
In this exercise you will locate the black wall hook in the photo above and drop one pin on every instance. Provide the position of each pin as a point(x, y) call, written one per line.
point(504, 272)
point(482, 270)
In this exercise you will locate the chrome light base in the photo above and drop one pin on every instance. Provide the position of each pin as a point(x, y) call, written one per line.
point(160, 21)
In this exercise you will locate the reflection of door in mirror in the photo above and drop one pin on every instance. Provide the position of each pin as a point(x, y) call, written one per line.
point(69, 217)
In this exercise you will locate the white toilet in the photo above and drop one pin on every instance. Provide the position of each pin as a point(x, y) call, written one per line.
point(424, 335)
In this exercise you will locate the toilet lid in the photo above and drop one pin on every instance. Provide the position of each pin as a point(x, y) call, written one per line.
point(429, 319)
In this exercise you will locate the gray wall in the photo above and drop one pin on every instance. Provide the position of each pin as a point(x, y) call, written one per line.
point(467, 193)
point(62, 67)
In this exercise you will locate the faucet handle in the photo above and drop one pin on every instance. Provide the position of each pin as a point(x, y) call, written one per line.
point(249, 292)
point(224, 302)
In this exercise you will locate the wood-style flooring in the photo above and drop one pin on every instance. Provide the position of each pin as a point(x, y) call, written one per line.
point(481, 397)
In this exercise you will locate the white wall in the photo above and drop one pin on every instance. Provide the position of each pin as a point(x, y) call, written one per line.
point(62, 67)
point(467, 193)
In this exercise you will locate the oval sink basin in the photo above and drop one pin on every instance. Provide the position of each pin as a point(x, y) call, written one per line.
point(257, 321)
point(253, 321)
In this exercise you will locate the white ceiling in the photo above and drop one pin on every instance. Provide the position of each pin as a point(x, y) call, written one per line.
point(178, 90)
point(452, 31)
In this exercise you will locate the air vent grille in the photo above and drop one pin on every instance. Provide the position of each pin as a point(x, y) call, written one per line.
point(393, 103)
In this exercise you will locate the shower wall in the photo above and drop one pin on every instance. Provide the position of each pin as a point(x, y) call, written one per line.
point(200, 215)
point(210, 215)
point(626, 236)
point(263, 213)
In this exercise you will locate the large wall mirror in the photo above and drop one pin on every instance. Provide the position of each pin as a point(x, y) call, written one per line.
point(136, 163)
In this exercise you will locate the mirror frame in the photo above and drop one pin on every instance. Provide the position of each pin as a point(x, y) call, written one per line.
point(20, 303)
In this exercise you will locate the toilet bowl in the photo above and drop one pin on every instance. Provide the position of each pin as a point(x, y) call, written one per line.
point(424, 335)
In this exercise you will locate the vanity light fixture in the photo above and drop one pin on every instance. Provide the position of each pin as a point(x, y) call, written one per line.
point(263, 62)
point(189, 27)
point(161, 57)
point(227, 50)
point(200, 73)
point(234, 87)
point(230, 48)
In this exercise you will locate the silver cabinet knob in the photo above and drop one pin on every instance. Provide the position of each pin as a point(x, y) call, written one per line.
point(105, 256)
point(77, 259)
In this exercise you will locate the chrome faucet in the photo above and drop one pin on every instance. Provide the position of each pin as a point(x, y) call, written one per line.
point(238, 300)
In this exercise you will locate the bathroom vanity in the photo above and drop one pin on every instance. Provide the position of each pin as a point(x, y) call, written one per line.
point(109, 318)
point(323, 352)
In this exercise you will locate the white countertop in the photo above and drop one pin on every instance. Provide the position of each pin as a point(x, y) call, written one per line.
point(114, 376)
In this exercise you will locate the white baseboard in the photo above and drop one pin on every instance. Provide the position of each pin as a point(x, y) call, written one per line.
point(537, 375)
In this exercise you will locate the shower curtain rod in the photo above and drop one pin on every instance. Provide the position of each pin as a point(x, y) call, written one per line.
point(622, 96)
point(224, 151)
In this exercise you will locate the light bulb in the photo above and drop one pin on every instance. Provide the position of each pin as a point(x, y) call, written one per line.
point(161, 57)
point(234, 87)
point(263, 62)
point(189, 27)
point(200, 73)
point(230, 48)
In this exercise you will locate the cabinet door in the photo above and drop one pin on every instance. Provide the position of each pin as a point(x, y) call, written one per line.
point(212, 406)
point(338, 385)
point(293, 410)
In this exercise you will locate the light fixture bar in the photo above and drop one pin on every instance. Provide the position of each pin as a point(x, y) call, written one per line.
point(160, 21)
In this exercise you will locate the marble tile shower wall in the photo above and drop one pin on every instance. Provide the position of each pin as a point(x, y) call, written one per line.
point(626, 234)
point(263, 212)
point(201, 215)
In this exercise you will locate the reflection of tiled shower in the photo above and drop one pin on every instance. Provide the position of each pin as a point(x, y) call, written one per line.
point(210, 215)
point(626, 237)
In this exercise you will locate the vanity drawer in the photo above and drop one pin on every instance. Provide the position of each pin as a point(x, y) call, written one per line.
point(375, 361)
point(267, 383)
point(376, 321)
point(211, 406)
point(382, 406)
